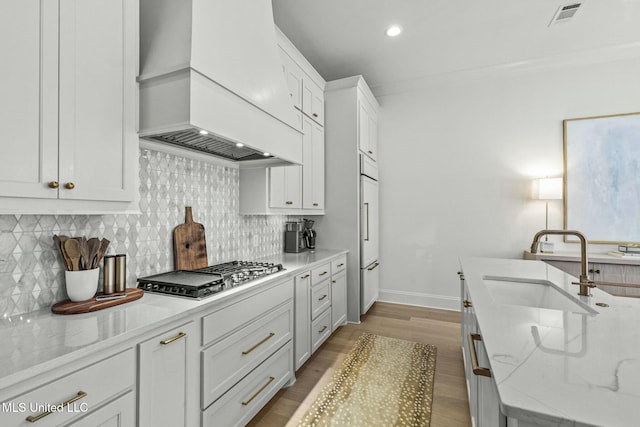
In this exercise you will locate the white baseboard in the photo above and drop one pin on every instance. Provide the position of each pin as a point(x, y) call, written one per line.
point(419, 299)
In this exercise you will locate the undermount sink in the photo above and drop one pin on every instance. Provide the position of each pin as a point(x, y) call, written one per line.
point(533, 293)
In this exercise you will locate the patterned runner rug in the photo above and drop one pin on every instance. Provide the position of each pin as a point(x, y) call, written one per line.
point(382, 382)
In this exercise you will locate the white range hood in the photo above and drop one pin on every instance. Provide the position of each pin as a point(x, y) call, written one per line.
point(213, 66)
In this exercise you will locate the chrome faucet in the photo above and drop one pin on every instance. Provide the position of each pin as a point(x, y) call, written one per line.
point(585, 283)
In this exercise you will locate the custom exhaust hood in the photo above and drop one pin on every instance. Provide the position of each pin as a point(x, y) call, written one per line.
point(211, 80)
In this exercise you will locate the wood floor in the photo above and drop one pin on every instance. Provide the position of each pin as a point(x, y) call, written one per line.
point(438, 327)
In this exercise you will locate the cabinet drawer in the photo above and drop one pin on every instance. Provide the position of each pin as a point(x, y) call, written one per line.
point(338, 265)
point(245, 399)
point(226, 362)
point(87, 387)
point(321, 273)
point(320, 298)
point(231, 317)
point(320, 330)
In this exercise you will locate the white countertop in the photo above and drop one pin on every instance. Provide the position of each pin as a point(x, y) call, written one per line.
point(585, 368)
point(41, 341)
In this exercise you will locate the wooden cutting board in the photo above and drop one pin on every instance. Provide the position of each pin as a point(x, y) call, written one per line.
point(70, 307)
point(189, 244)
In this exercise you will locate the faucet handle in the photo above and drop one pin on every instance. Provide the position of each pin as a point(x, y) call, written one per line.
point(590, 283)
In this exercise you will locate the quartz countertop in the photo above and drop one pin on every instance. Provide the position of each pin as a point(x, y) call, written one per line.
point(554, 367)
point(41, 341)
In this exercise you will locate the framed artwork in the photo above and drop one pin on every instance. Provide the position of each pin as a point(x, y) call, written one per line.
point(602, 177)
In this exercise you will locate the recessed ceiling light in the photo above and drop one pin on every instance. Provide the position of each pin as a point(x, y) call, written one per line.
point(267, 154)
point(204, 132)
point(239, 144)
point(393, 31)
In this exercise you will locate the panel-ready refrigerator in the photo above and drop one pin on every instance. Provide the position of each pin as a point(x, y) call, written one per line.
point(369, 234)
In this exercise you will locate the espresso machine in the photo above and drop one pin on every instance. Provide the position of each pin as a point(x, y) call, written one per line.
point(309, 235)
point(294, 239)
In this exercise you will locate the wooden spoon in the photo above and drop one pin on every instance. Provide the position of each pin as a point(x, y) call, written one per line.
point(94, 246)
point(72, 249)
point(104, 245)
point(84, 253)
point(59, 240)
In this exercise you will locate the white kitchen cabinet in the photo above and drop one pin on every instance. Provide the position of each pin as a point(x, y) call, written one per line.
point(302, 338)
point(313, 165)
point(285, 187)
point(484, 402)
point(338, 300)
point(163, 373)
point(68, 124)
point(313, 101)
point(119, 413)
point(293, 75)
point(367, 129)
point(79, 393)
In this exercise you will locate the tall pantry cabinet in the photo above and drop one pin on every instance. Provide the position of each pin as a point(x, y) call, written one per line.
point(350, 221)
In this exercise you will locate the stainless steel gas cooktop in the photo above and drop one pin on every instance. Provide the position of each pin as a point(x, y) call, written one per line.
point(207, 281)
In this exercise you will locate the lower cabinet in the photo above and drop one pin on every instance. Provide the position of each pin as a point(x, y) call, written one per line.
point(484, 403)
point(616, 279)
point(320, 306)
point(119, 413)
point(302, 338)
point(238, 405)
point(102, 390)
point(163, 377)
point(247, 354)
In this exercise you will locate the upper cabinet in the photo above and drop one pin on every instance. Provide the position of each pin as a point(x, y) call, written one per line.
point(367, 126)
point(313, 101)
point(69, 91)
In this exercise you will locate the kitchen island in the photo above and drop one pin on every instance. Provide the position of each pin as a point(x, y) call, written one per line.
point(134, 361)
point(554, 358)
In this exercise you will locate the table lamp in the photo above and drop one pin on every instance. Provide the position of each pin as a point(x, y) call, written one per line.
point(547, 189)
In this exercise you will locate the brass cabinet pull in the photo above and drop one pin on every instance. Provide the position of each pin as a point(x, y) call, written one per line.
point(54, 184)
point(322, 297)
point(244, 353)
point(370, 152)
point(75, 398)
point(288, 202)
point(324, 328)
point(69, 186)
point(315, 114)
point(170, 340)
point(485, 372)
point(306, 276)
point(373, 266)
point(340, 265)
point(466, 303)
point(315, 204)
point(323, 273)
point(246, 402)
point(333, 281)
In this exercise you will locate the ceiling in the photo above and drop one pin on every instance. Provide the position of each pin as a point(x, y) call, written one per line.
point(342, 38)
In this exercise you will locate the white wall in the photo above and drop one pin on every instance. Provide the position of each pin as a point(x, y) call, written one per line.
point(456, 163)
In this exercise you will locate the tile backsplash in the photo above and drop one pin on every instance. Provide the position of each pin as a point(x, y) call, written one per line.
point(31, 272)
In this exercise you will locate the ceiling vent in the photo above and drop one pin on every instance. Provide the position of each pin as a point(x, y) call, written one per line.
point(565, 13)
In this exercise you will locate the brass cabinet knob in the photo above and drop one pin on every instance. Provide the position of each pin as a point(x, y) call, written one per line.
point(69, 186)
point(315, 204)
point(289, 202)
point(466, 303)
point(315, 114)
point(54, 184)
point(370, 152)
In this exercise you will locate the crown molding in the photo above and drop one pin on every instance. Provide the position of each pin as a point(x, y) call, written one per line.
point(579, 58)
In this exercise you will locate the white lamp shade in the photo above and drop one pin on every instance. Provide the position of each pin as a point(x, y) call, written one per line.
point(548, 189)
